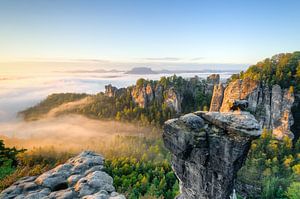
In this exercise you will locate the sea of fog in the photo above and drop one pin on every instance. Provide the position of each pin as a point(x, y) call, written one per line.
point(20, 91)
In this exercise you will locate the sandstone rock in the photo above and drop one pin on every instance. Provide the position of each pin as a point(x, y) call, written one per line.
point(149, 93)
point(112, 91)
point(142, 95)
point(282, 118)
point(158, 93)
point(173, 99)
point(217, 98)
point(208, 148)
point(79, 177)
point(93, 182)
point(270, 106)
point(211, 81)
point(233, 122)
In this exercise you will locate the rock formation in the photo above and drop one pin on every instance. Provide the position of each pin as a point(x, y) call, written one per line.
point(217, 98)
point(208, 148)
point(112, 91)
point(211, 81)
point(148, 93)
point(270, 106)
point(173, 99)
point(80, 177)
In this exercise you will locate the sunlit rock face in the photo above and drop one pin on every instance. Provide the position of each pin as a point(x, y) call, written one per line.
point(80, 177)
point(270, 106)
point(217, 98)
point(173, 99)
point(208, 148)
point(145, 95)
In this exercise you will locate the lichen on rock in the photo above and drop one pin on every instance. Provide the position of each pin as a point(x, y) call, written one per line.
point(208, 148)
point(80, 177)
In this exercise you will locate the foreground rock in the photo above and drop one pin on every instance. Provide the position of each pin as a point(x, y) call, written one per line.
point(80, 177)
point(208, 149)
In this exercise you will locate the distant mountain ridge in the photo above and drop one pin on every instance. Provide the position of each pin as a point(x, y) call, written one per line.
point(141, 70)
point(149, 71)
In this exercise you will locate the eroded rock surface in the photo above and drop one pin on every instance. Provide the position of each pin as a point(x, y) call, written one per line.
point(173, 96)
point(80, 177)
point(270, 106)
point(208, 148)
point(217, 98)
point(211, 81)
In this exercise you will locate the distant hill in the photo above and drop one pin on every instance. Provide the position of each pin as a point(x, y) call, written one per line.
point(147, 71)
point(141, 70)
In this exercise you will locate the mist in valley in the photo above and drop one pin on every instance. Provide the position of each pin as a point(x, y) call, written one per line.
point(74, 133)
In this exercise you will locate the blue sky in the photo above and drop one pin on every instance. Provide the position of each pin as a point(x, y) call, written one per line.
point(148, 31)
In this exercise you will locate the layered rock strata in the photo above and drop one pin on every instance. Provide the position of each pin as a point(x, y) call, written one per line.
point(208, 148)
point(80, 177)
point(173, 96)
point(270, 105)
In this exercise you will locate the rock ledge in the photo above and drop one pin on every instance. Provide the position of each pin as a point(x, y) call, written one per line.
point(80, 177)
point(208, 149)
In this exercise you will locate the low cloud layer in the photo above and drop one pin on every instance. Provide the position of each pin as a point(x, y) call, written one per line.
point(70, 132)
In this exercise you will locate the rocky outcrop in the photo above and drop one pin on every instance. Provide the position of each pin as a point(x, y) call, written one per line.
point(80, 177)
point(270, 106)
point(112, 91)
point(217, 98)
point(211, 81)
point(240, 90)
point(173, 99)
point(173, 92)
point(208, 148)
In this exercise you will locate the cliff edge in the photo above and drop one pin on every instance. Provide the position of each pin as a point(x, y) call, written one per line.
point(208, 149)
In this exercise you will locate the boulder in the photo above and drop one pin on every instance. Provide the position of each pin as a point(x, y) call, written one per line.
point(80, 177)
point(240, 105)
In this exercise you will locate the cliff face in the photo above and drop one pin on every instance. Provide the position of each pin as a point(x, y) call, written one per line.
point(142, 95)
point(217, 98)
point(112, 91)
point(170, 94)
point(208, 148)
point(173, 99)
point(270, 106)
point(80, 177)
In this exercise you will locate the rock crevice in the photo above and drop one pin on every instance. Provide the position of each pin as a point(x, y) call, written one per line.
point(208, 148)
point(80, 177)
point(271, 106)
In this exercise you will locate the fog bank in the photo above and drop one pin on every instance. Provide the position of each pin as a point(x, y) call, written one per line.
point(66, 132)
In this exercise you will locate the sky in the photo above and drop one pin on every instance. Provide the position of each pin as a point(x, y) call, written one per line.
point(226, 34)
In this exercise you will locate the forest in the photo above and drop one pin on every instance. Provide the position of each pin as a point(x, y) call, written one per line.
point(140, 166)
point(282, 69)
point(273, 166)
point(123, 108)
